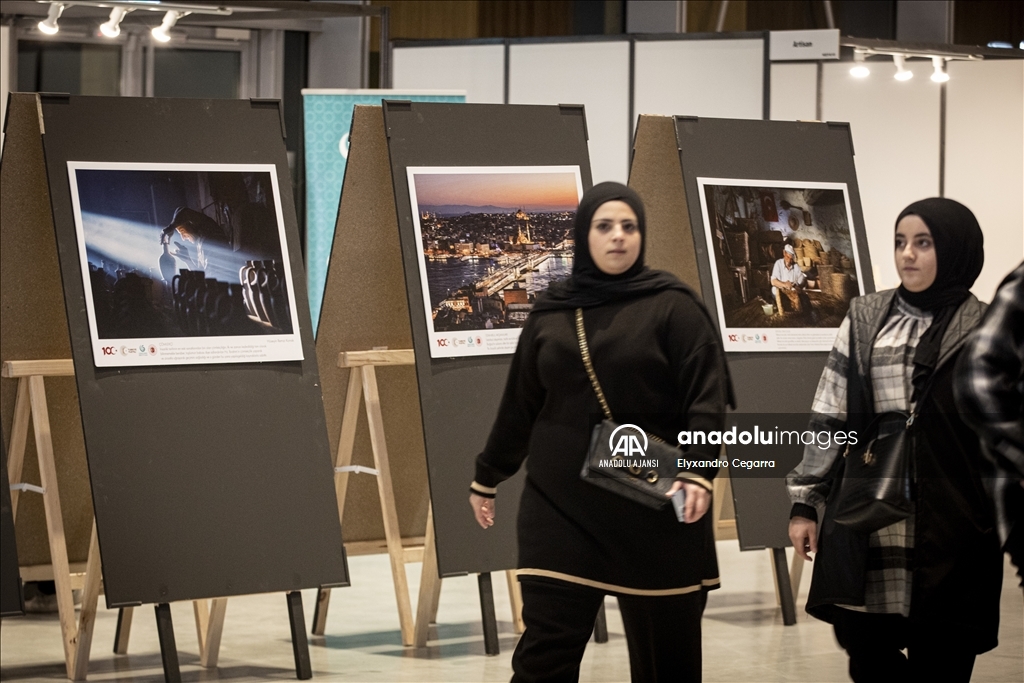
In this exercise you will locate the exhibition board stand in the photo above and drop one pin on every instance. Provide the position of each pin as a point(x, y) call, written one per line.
point(260, 511)
point(678, 166)
point(364, 326)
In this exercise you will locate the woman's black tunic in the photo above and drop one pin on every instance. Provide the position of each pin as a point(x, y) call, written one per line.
point(661, 367)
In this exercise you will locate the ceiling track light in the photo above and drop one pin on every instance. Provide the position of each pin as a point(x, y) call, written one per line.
point(49, 24)
point(112, 27)
point(860, 69)
point(939, 75)
point(902, 72)
point(162, 32)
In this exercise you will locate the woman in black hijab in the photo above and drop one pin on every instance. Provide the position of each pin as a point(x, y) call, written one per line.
point(659, 360)
point(930, 583)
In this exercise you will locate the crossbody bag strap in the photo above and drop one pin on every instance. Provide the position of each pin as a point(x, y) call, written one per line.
point(581, 335)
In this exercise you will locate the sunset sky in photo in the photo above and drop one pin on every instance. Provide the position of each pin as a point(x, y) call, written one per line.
point(550, 191)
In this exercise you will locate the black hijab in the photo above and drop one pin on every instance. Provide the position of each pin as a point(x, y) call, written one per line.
point(959, 256)
point(588, 286)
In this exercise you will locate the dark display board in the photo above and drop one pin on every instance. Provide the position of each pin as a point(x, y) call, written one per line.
point(208, 480)
point(459, 397)
point(774, 151)
point(11, 598)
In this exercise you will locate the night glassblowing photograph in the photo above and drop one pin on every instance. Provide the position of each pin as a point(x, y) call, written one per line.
point(184, 264)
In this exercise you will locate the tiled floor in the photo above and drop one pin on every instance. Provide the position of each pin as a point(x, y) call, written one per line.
point(744, 639)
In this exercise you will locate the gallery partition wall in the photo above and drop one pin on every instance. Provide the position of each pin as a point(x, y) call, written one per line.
point(914, 138)
point(614, 77)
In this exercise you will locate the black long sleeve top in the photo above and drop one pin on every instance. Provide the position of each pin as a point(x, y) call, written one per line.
point(661, 367)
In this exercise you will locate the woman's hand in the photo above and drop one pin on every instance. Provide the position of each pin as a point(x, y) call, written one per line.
point(483, 509)
point(804, 535)
point(698, 499)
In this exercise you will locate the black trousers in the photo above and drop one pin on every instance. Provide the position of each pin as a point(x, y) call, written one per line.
point(662, 633)
point(874, 643)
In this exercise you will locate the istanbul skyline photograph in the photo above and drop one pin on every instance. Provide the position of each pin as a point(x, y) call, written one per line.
point(492, 240)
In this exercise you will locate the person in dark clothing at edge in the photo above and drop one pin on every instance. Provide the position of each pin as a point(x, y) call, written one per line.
point(990, 394)
point(931, 583)
point(658, 357)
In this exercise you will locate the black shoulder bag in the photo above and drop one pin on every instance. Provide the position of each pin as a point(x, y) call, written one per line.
point(623, 458)
point(877, 476)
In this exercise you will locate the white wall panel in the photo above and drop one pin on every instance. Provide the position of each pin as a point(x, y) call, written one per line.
point(895, 128)
point(794, 92)
point(985, 158)
point(335, 53)
point(477, 69)
point(721, 78)
point(594, 74)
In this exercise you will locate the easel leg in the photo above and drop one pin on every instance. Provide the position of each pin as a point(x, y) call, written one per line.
point(211, 650)
point(775, 576)
point(490, 622)
point(202, 613)
point(601, 626)
point(303, 668)
point(168, 649)
point(124, 629)
point(392, 532)
point(784, 586)
point(54, 520)
point(209, 627)
point(796, 572)
point(515, 597)
point(719, 488)
point(87, 615)
point(430, 585)
point(323, 601)
point(19, 437)
point(343, 458)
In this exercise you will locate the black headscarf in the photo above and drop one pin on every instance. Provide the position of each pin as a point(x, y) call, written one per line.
point(959, 256)
point(588, 286)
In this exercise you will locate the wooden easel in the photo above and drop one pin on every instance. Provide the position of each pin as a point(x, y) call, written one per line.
point(31, 403)
point(362, 384)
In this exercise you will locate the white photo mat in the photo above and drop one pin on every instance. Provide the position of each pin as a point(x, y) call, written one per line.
point(477, 342)
point(186, 350)
point(772, 338)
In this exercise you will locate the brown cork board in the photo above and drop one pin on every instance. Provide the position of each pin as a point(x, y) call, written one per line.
point(33, 325)
point(657, 176)
point(364, 306)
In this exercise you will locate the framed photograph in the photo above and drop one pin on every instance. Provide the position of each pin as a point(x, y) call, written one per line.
point(784, 261)
point(492, 238)
point(184, 263)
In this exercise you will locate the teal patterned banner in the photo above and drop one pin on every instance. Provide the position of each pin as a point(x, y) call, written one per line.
point(328, 118)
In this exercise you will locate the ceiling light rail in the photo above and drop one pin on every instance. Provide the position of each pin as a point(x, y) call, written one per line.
point(161, 7)
point(112, 27)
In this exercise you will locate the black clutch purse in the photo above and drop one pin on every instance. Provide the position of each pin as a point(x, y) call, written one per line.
point(623, 458)
point(874, 489)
